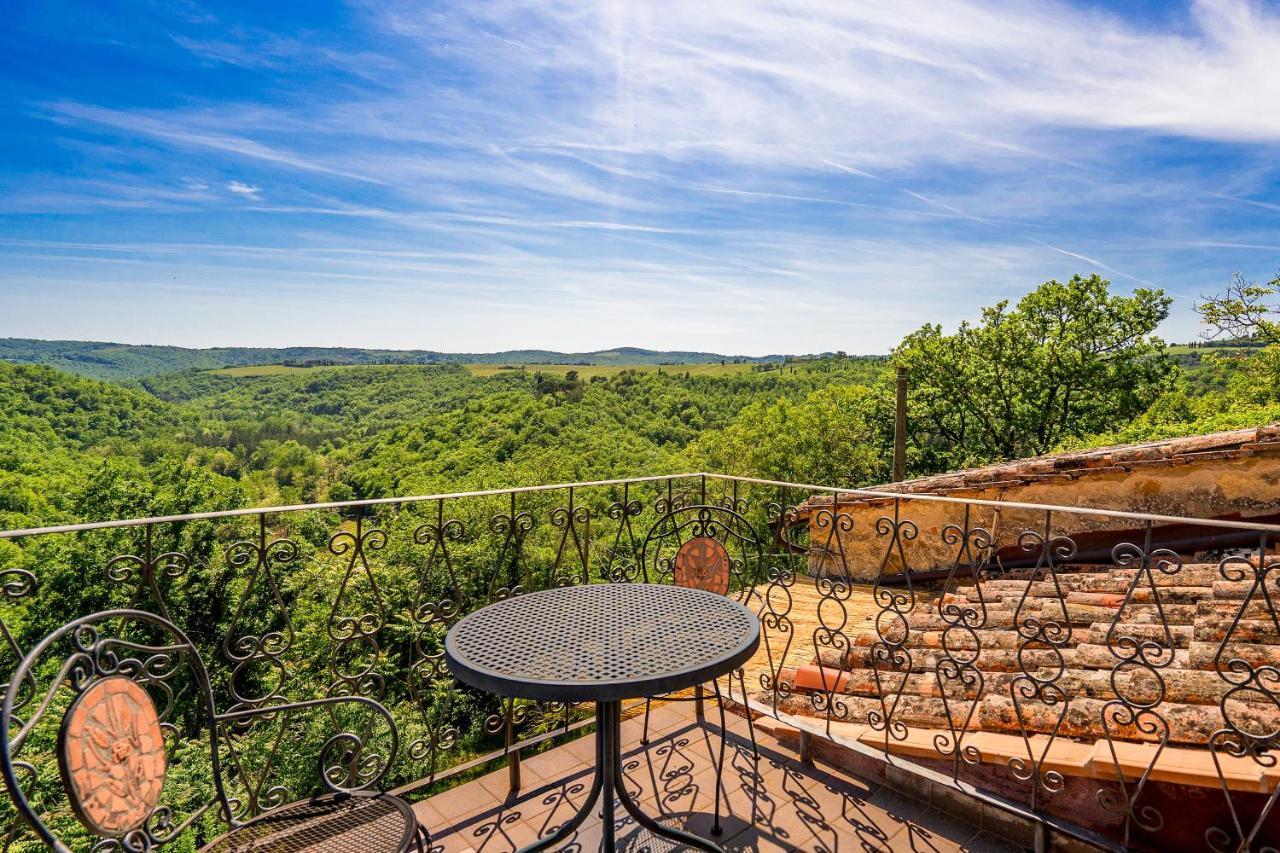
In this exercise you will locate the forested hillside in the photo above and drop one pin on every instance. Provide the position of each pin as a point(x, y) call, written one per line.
point(1068, 365)
point(360, 432)
point(191, 439)
point(78, 449)
point(104, 360)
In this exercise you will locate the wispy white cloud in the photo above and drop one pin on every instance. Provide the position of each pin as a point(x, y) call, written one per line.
point(243, 189)
point(807, 162)
point(761, 81)
point(1093, 262)
point(1265, 205)
point(159, 128)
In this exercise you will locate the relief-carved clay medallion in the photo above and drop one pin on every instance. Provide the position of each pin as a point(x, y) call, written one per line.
point(112, 758)
point(703, 563)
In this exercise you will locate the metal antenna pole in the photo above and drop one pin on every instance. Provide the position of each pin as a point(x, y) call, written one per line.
point(900, 430)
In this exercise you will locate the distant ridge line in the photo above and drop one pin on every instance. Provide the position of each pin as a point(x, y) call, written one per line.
point(110, 360)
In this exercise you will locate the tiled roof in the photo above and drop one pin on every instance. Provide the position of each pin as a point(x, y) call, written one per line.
point(1197, 604)
point(1236, 443)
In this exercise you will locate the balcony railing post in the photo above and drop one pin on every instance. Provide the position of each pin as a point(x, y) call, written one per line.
point(513, 754)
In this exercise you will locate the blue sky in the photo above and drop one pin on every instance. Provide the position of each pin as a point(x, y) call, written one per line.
point(746, 177)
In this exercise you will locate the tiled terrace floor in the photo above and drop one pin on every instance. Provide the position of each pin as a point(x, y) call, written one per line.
point(789, 806)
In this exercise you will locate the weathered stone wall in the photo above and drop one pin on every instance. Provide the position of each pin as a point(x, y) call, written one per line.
point(1232, 474)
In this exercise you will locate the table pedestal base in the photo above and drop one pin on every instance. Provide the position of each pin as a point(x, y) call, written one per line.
point(607, 784)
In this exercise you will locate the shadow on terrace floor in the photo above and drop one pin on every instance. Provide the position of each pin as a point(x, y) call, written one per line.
point(784, 805)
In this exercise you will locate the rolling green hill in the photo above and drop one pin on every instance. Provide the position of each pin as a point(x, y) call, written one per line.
point(114, 361)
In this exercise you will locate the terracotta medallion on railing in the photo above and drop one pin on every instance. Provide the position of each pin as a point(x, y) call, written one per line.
point(702, 563)
point(112, 757)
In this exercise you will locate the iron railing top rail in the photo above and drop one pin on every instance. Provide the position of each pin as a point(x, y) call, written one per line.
point(231, 513)
point(1142, 517)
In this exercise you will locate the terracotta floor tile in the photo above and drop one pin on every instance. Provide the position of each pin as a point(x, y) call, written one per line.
point(498, 784)
point(559, 762)
point(847, 820)
point(430, 817)
point(557, 801)
point(774, 801)
point(665, 717)
point(738, 733)
point(547, 826)
point(632, 837)
point(687, 792)
point(663, 788)
point(919, 839)
point(464, 801)
point(898, 805)
point(497, 830)
point(583, 748)
point(777, 804)
point(759, 840)
point(737, 725)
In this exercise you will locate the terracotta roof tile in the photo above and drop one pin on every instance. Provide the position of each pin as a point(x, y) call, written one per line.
point(1231, 444)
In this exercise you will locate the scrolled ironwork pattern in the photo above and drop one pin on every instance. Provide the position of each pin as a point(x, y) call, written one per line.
point(622, 559)
point(16, 585)
point(890, 652)
point(1252, 680)
point(1042, 663)
point(509, 573)
point(959, 677)
point(100, 659)
point(926, 620)
point(831, 641)
point(1136, 679)
point(438, 601)
point(357, 615)
point(257, 656)
point(146, 571)
point(572, 563)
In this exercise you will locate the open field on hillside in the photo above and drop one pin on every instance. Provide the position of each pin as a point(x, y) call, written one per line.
point(586, 371)
point(1186, 349)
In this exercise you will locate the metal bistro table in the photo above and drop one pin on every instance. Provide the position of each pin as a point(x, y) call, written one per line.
point(603, 643)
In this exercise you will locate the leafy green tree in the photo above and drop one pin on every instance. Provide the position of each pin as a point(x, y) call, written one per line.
point(1243, 311)
point(1067, 361)
point(1244, 314)
point(829, 438)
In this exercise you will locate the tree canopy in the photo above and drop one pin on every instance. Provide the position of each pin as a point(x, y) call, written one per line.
point(1069, 359)
point(1242, 311)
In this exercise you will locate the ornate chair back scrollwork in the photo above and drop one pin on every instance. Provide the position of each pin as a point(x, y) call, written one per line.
point(715, 549)
point(706, 547)
point(115, 693)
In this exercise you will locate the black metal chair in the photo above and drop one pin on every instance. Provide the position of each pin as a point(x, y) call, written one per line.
point(98, 679)
point(715, 549)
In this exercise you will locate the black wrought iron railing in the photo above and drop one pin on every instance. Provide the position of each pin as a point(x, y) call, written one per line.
point(1091, 670)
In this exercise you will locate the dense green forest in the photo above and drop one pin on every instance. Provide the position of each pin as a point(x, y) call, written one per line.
point(1068, 365)
point(1019, 382)
point(365, 432)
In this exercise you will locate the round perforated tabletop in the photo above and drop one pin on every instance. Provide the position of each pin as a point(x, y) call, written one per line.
point(601, 642)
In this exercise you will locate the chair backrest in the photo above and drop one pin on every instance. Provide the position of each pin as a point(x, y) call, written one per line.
point(98, 679)
point(704, 546)
point(109, 695)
